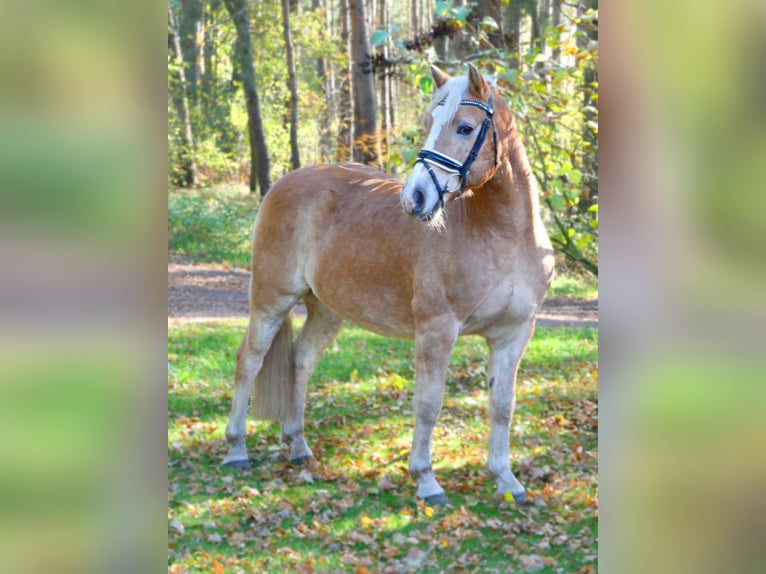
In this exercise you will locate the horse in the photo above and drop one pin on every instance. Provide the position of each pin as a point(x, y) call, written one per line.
point(459, 248)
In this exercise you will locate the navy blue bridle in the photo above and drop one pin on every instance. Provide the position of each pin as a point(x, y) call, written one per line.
point(461, 170)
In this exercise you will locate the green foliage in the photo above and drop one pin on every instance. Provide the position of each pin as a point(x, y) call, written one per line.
point(354, 508)
point(447, 9)
point(554, 97)
point(378, 37)
point(556, 107)
point(212, 225)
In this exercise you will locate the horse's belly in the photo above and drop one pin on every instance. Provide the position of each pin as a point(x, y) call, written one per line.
point(378, 317)
point(365, 293)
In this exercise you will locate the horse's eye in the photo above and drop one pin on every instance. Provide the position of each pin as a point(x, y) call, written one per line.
point(465, 130)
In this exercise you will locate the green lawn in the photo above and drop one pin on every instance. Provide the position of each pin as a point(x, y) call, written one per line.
point(567, 285)
point(353, 509)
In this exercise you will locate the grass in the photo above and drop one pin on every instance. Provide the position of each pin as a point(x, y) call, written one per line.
point(212, 225)
point(569, 284)
point(353, 509)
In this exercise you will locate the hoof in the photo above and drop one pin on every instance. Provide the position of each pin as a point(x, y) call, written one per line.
point(437, 500)
point(240, 464)
point(301, 460)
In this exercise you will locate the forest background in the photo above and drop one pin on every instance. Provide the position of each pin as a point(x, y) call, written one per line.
point(258, 88)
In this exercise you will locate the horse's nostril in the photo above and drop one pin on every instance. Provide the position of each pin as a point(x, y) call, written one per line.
point(418, 201)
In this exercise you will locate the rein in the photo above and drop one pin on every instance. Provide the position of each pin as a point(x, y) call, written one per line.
point(460, 170)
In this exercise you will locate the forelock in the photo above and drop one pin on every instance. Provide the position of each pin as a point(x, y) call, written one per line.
point(449, 96)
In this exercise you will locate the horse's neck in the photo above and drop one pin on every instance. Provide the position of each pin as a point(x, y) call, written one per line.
point(508, 201)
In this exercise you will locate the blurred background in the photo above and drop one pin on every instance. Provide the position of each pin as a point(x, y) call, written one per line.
point(681, 307)
point(82, 212)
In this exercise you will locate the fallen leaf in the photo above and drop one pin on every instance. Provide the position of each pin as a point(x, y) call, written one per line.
point(531, 563)
point(236, 538)
point(176, 525)
point(385, 483)
point(415, 557)
point(399, 539)
point(305, 476)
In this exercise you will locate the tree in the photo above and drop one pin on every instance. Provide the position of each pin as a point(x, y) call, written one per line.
point(589, 35)
point(386, 115)
point(260, 168)
point(366, 144)
point(345, 107)
point(325, 72)
point(295, 160)
point(188, 167)
point(190, 23)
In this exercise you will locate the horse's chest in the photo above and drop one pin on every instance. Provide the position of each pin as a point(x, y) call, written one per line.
point(509, 302)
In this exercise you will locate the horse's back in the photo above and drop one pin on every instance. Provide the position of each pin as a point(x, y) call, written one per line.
point(344, 178)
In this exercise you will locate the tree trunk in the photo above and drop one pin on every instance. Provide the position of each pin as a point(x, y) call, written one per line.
point(492, 9)
point(514, 32)
point(384, 77)
point(209, 50)
point(292, 80)
point(543, 15)
point(260, 168)
point(366, 145)
point(415, 20)
point(190, 25)
point(326, 73)
point(555, 22)
point(345, 133)
point(590, 75)
point(188, 176)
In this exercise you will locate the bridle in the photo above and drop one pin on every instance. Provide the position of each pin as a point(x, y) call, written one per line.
point(460, 170)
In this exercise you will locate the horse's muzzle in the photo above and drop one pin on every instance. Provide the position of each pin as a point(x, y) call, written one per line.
point(414, 204)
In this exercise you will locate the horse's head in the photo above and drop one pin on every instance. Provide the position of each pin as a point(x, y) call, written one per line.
point(461, 149)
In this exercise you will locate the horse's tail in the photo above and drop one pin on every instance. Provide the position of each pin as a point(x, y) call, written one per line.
point(274, 389)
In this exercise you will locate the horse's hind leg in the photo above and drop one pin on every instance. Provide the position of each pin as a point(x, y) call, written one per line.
point(321, 327)
point(264, 324)
point(504, 357)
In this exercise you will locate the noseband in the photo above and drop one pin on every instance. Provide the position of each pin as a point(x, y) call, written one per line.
point(460, 170)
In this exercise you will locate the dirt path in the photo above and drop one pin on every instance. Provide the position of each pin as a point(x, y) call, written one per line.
point(200, 292)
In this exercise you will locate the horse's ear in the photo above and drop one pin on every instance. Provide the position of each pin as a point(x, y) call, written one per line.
point(440, 76)
point(476, 83)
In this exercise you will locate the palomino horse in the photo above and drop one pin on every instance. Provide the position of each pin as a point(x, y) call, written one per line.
point(473, 257)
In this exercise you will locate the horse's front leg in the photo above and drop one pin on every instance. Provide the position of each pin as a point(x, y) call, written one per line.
point(504, 355)
point(434, 341)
